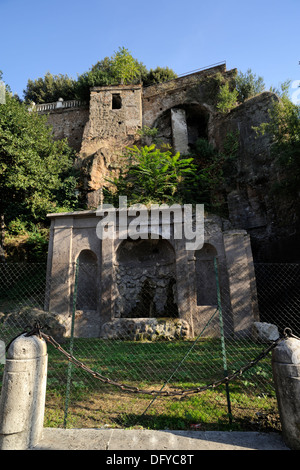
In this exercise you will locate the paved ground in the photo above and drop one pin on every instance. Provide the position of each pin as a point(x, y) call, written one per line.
point(119, 439)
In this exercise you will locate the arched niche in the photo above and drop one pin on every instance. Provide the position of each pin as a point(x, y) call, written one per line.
point(146, 279)
point(197, 118)
point(206, 285)
point(87, 281)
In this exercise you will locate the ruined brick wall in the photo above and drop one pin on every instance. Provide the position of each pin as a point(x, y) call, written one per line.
point(69, 123)
point(114, 119)
point(195, 94)
point(116, 113)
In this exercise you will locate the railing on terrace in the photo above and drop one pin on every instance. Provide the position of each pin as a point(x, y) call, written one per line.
point(60, 104)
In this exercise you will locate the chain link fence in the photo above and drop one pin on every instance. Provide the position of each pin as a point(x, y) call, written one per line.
point(148, 346)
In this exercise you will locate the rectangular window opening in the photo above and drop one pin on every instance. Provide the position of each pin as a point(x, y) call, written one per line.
point(116, 101)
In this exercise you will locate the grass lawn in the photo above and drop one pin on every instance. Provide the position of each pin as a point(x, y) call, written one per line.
point(172, 365)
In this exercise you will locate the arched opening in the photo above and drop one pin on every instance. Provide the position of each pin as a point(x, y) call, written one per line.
point(146, 279)
point(87, 281)
point(197, 119)
point(205, 275)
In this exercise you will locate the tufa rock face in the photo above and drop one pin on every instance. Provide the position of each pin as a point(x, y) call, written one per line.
point(270, 220)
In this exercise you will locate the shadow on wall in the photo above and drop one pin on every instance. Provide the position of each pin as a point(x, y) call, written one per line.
point(196, 119)
point(87, 281)
point(146, 279)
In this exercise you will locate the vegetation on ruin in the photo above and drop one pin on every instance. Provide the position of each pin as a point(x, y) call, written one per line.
point(151, 175)
point(227, 99)
point(248, 85)
point(230, 94)
point(284, 128)
point(154, 174)
point(36, 174)
point(120, 68)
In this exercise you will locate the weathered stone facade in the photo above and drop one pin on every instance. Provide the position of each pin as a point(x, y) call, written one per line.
point(115, 116)
point(69, 123)
point(270, 220)
point(183, 110)
point(123, 285)
point(155, 288)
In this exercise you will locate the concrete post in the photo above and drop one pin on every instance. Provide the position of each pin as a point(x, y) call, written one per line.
point(240, 282)
point(286, 373)
point(22, 401)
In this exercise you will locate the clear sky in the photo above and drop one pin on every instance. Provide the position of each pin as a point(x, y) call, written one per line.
point(69, 36)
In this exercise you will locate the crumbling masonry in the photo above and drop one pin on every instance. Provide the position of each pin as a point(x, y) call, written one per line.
point(132, 284)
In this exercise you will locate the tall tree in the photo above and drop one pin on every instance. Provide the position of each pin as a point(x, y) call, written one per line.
point(124, 68)
point(50, 88)
point(120, 68)
point(33, 167)
point(248, 85)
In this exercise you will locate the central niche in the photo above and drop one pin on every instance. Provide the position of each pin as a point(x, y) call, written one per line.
point(145, 279)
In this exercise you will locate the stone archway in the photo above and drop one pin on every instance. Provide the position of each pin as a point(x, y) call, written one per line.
point(87, 316)
point(87, 281)
point(182, 125)
point(146, 279)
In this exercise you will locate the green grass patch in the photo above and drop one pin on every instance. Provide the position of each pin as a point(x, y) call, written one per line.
point(156, 365)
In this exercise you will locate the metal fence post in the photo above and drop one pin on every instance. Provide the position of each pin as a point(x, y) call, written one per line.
point(69, 373)
point(224, 356)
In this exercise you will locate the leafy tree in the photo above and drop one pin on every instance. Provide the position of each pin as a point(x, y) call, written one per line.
point(98, 75)
point(114, 70)
point(227, 98)
point(151, 175)
point(34, 169)
point(120, 68)
point(50, 89)
point(248, 85)
point(159, 75)
point(124, 68)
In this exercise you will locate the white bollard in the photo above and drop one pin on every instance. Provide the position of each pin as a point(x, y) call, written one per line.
point(286, 374)
point(22, 402)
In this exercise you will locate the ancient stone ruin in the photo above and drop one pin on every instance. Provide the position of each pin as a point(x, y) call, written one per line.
point(151, 288)
point(183, 110)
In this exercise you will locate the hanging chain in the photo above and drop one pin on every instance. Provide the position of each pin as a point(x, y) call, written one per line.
point(36, 330)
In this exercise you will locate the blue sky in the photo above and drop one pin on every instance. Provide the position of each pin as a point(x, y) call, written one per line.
point(69, 36)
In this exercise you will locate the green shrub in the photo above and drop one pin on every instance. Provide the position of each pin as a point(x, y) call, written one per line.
point(227, 99)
